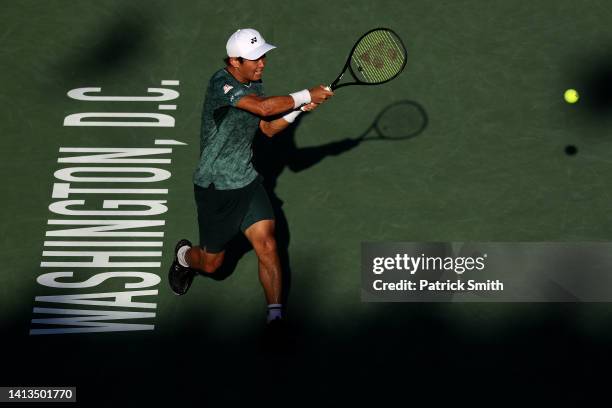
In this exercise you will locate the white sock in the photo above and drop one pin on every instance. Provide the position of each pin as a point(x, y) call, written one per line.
point(180, 255)
point(275, 311)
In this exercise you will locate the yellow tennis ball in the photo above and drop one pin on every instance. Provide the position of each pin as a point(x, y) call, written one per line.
point(571, 96)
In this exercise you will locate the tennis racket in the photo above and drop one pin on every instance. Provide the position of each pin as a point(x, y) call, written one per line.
point(398, 121)
point(377, 57)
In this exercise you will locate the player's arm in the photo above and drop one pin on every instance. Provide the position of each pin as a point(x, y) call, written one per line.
point(274, 105)
point(273, 127)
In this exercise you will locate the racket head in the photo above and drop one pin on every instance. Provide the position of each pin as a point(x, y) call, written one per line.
point(377, 57)
point(399, 121)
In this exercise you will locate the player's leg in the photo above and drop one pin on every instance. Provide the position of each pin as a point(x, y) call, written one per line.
point(216, 228)
point(187, 261)
point(261, 236)
point(201, 259)
point(259, 228)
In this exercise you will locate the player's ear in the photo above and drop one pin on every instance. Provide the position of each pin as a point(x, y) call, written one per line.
point(235, 62)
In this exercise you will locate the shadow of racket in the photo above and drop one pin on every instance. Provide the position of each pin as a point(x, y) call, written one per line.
point(401, 120)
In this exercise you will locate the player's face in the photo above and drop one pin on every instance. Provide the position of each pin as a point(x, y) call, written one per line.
point(253, 69)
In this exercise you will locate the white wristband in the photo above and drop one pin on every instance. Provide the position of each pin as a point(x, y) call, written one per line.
point(300, 98)
point(290, 117)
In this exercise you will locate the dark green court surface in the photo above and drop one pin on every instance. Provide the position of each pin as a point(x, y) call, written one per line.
point(488, 161)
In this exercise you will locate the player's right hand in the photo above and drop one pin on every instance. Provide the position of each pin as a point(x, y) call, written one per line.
point(320, 94)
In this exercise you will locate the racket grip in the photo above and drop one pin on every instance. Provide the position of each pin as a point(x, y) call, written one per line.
point(302, 108)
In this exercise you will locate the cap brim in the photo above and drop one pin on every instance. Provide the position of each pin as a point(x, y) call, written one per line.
point(258, 52)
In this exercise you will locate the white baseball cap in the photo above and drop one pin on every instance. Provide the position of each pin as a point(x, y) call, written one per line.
point(247, 43)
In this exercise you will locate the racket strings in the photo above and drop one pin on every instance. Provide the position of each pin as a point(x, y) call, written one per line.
point(379, 65)
point(378, 57)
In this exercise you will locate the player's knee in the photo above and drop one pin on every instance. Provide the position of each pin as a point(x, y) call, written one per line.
point(265, 245)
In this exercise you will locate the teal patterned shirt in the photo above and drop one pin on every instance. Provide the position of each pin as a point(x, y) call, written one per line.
point(226, 134)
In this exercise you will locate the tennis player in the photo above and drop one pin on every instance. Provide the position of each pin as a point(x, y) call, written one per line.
point(228, 191)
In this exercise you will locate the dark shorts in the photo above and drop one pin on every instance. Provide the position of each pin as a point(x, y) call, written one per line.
point(224, 213)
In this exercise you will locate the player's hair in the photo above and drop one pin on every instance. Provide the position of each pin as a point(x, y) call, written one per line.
point(226, 60)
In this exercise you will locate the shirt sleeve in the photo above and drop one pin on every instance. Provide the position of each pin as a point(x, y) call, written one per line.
point(231, 92)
